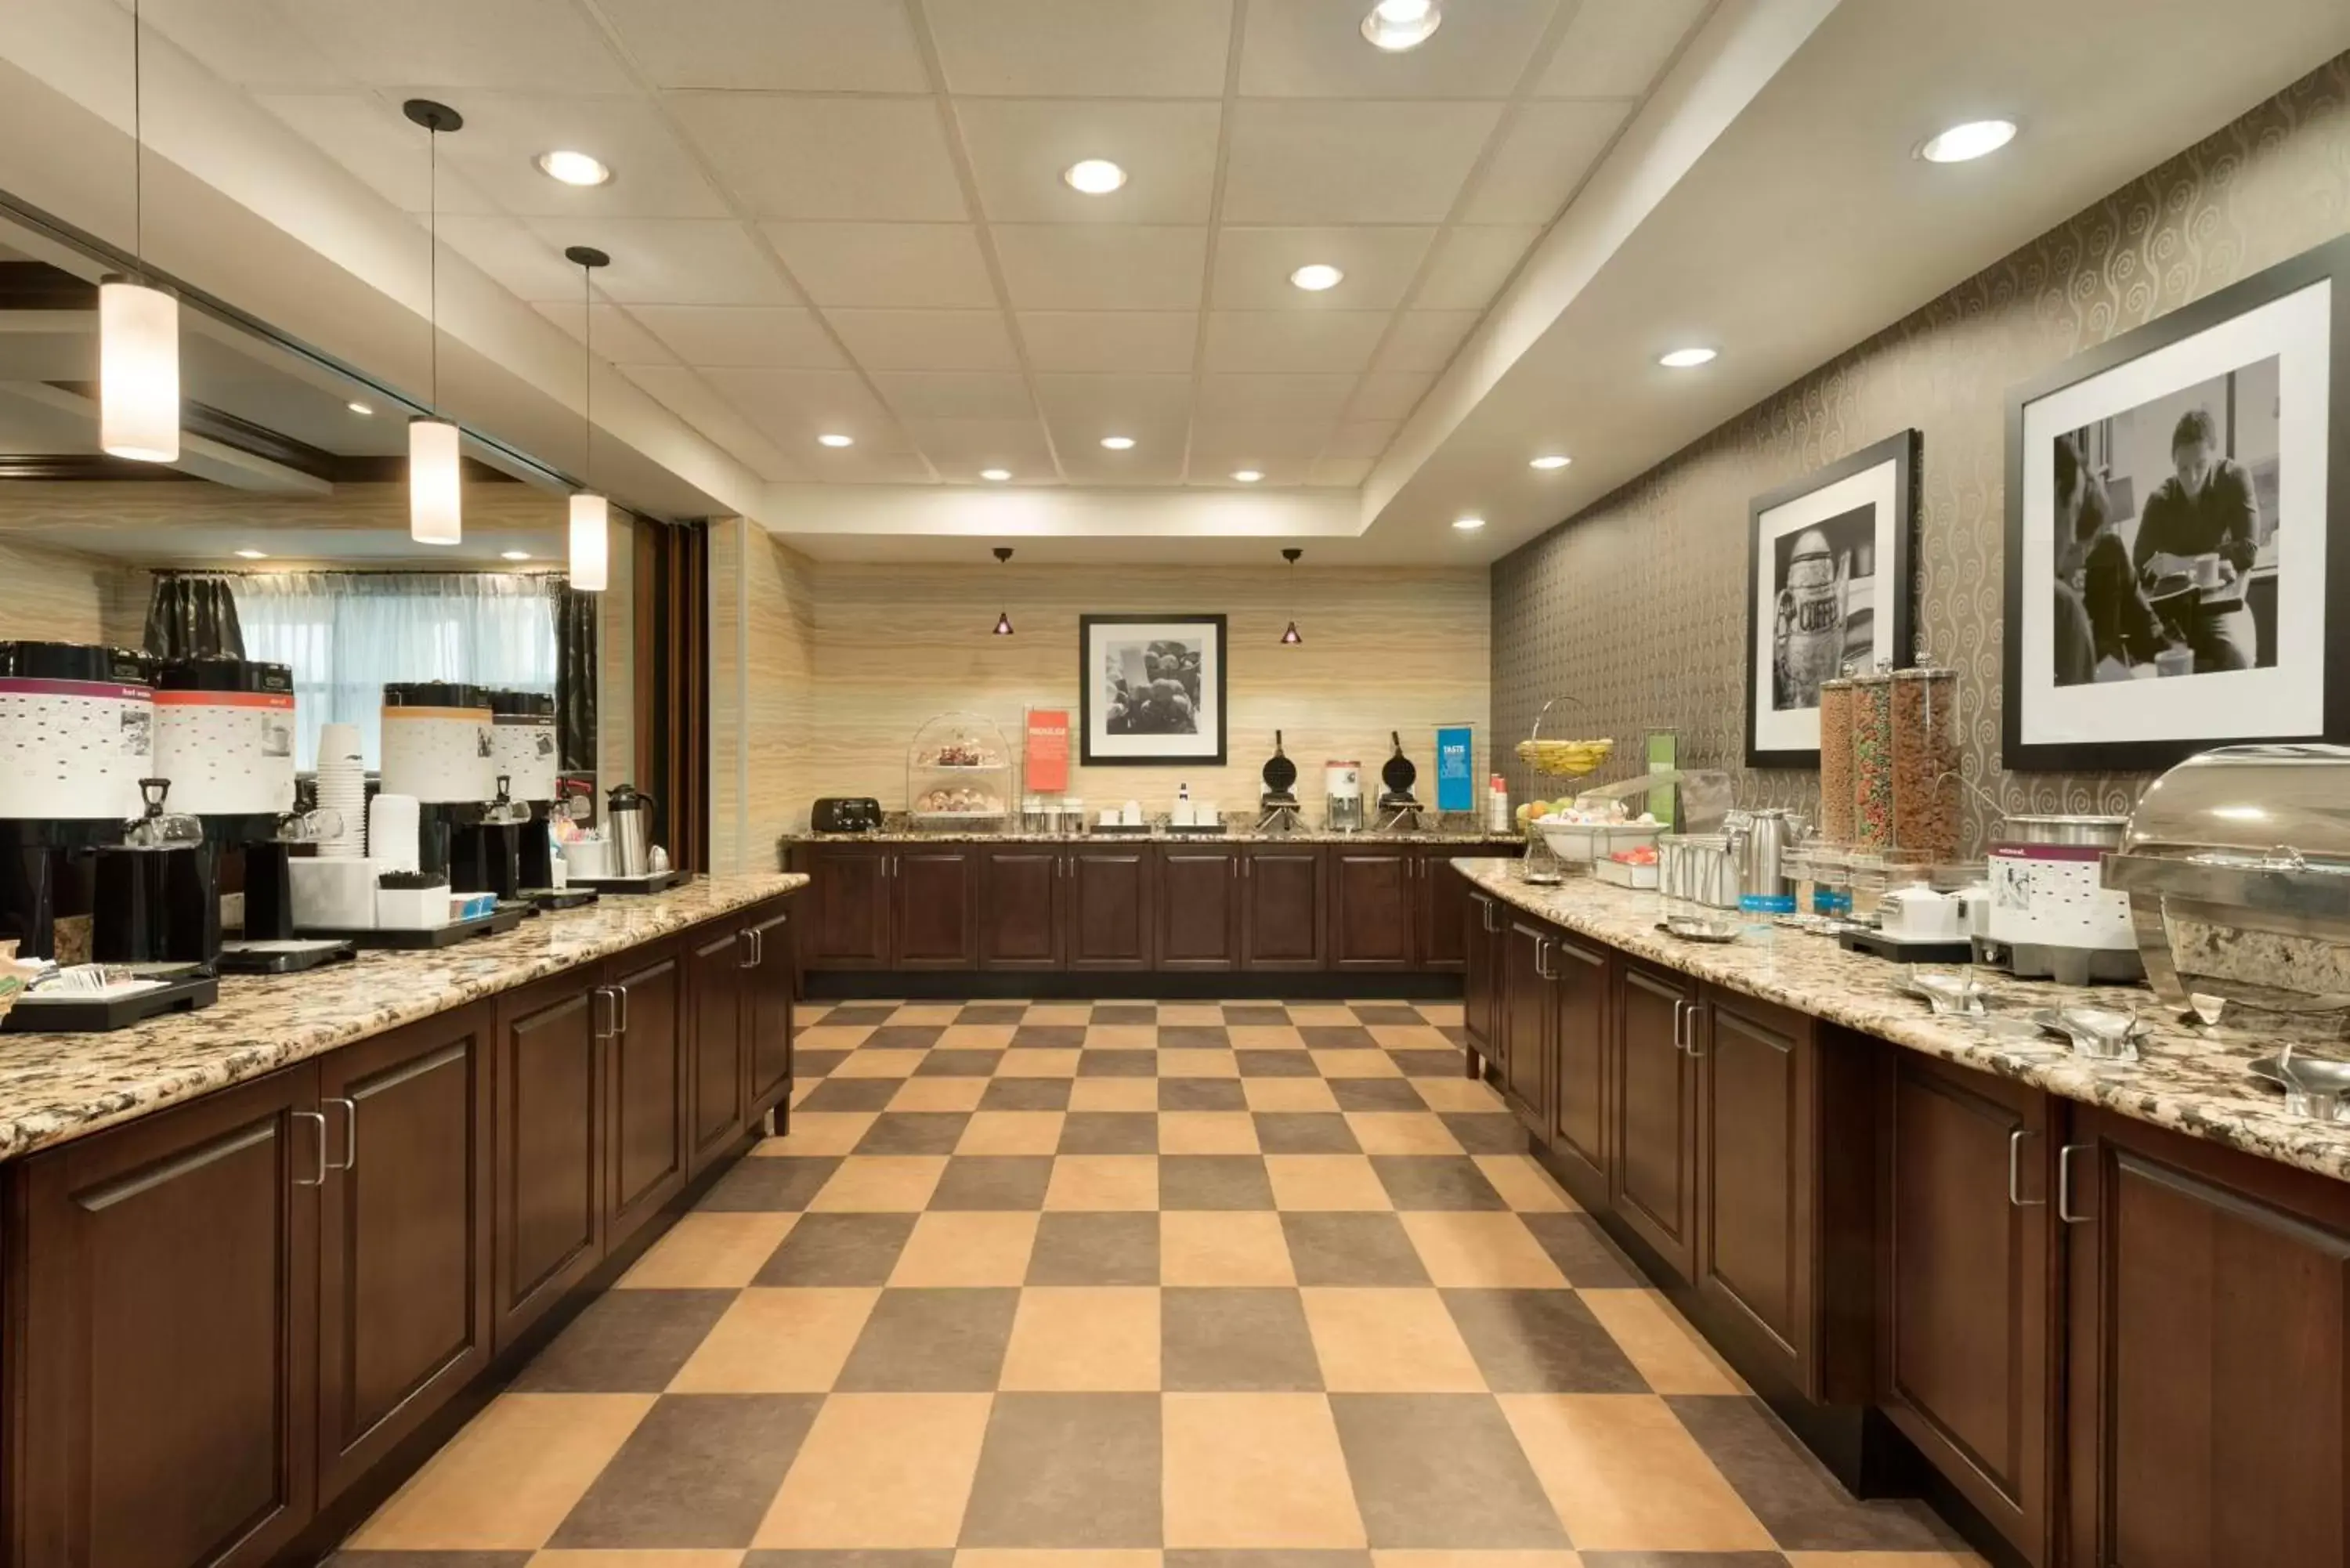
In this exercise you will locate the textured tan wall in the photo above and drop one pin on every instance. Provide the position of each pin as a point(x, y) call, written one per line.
point(1638, 605)
point(762, 691)
point(57, 596)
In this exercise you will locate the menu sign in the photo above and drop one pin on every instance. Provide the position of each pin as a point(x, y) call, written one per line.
point(1455, 777)
point(1047, 751)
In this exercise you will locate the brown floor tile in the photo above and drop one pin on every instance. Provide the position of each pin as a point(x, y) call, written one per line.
point(1018, 1064)
point(903, 1037)
point(778, 1342)
point(1256, 1014)
point(1402, 1132)
point(1625, 1475)
point(1367, 1064)
point(1121, 1037)
point(1325, 1182)
point(1449, 1091)
point(1246, 1559)
point(625, 1342)
point(1015, 1094)
point(1111, 1132)
point(1583, 1251)
point(830, 1035)
point(935, 1094)
point(1541, 1341)
point(975, 1035)
point(1011, 1132)
point(1435, 1182)
point(699, 1470)
point(993, 1181)
point(1487, 1132)
point(1119, 1065)
point(1235, 1339)
point(880, 1184)
point(1351, 1250)
point(776, 1185)
point(508, 1479)
point(1441, 1469)
point(1444, 1063)
point(1204, 1248)
point(1256, 1471)
point(808, 1065)
point(838, 1250)
point(1049, 1036)
point(1803, 1507)
point(1389, 1342)
point(896, 1131)
point(840, 1093)
point(1481, 1248)
point(1015, 1557)
point(1321, 1014)
point(1076, 1249)
point(945, 1063)
point(1206, 1132)
point(927, 1013)
point(709, 1251)
point(1412, 1038)
point(992, 1012)
point(1387, 1014)
point(1125, 1012)
point(1104, 1182)
point(1214, 1181)
point(444, 1559)
point(1264, 1037)
point(1524, 1185)
point(1669, 1356)
point(1060, 1012)
point(1393, 1093)
point(881, 1470)
point(941, 1557)
point(1193, 1037)
point(1336, 1037)
point(1305, 1132)
point(931, 1341)
point(819, 1132)
point(955, 1249)
point(1097, 1339)
point(1443, 1559)
point(1202, 1094)
point(865, 1013)
point(1289, 1094)
point(1275, 1064)
point(1203, 1071)
point(1115, 1096)
point(1077, 1471)
point(874, 1061)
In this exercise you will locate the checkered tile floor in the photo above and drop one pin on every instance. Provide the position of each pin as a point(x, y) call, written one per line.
point(1177, 1285)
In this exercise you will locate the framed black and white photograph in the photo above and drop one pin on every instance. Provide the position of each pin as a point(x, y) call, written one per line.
point(1151, 689)
point(2173, 531)
point(1827, 572)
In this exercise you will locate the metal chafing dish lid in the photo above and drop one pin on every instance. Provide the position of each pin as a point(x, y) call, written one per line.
point(2252, 801)
point(2062, 829)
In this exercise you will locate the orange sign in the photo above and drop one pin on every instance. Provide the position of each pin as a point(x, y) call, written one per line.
point(1048, 749)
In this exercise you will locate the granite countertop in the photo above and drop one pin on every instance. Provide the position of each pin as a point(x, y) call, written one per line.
point(54, 1087)
point(1157, 835)
point(2189, 1079)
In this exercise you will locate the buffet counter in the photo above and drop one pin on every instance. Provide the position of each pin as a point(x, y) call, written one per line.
point(1154, 834)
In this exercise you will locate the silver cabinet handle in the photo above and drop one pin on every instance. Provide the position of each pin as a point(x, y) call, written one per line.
point(1677, 1005)
point(350, 1133)
point(1542, 949)
point(319, 1117)
point(2064, 1184)
point(750, 948)
point(1695, 1053)
point(1247, 869)
point(2014, 1172)
point(620, 1005)
point(612, 1013)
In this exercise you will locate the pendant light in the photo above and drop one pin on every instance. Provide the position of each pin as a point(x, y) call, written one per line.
point(591, 514)
point(435, 505)
point(1003, 622)
point(138, 325)
point(1289, 638)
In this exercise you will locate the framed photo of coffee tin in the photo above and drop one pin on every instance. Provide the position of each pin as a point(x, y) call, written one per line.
point(1828, 593)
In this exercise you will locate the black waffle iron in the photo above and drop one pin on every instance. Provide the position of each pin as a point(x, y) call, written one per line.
point(1278, 804)
point(1399, 809)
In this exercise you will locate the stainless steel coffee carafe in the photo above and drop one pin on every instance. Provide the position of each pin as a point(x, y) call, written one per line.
point(1758, 841)
point(629, 826)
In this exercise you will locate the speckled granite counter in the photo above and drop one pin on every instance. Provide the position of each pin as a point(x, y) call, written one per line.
point(54, 1087)
point(2190, 1080)
point(1154, 835)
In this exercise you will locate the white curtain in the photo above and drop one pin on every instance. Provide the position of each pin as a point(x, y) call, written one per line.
point(348, 634)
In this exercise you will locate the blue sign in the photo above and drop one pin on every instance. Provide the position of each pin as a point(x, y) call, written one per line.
point(1456, 783)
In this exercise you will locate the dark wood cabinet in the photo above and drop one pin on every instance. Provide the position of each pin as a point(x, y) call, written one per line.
point(1374, 906)
point(646, 1056)
point(1199, 908)
point(1282, 924)
point(716, 1113)
point(1021, 907)
point(166, 1365)
point(1654, 1175)
point(1756, 1176)
point(1579, 1091)
point(934, 903)
point(1480, 985)
point(1109, 909)
point(1441, 899)
point(767, 1008)
point(846, 906)
point(1526, 1003)
point(549, 1137)
point(403, 1234)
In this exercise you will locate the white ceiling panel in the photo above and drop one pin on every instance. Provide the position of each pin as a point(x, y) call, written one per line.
point(776, 338)
point(1254, 341)
point(1101, 404)
point(1614, 48)
point(1020, 147)
point(1156, 458)
point(1229, 444)
point(528, 46)
point(369, 138)
point(955, 394)
point(864, 465)
point(669, 261)
point(1275, 473)
point(619, 338)
point(1254, 265)
point(805, 46)
point(1313, 49)
point(959, 449)
point(1334, 161)
point(694, 400)
point(1294, 397)
point(1389, 395)
point(1471, 264)
point(886, 266)
point(1138, 341)
point(926, 339)
point(244, 41)
point(1342, 472)
point(792, 407)
point(1363, 438)
point(653, 174)
point(522, 261)
point(1106, 48)
point(806, 157)
point(1425, 340)
point(1080, 267)
point(1542, 157)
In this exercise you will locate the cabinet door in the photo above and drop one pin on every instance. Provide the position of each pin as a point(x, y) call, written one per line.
point(1578, 1074)
point(2208, 1325)
point(767, 1009)
point(647, 1056)
point(1281, 909)
point(403, 1234)
point(1756, 1173)
point(1525, 1011)
point(1109, 909)
point(549, 1146)
point(1964, 1316)
point(935, 896)
point(1199, 908)
point(1481, 986)
point(1655, 1175)
point(1020, 908)
point(1373, 907)
point(715, 1112)
point(847, 905)
point(1441, 898)
point(169, 1352)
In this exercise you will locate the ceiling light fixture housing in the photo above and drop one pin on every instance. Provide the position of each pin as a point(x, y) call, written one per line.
point(252, 554)
point(1964, 143)
point(361, 409)
point(573, 167)
point(1247, 475)
point(1118, 443)
point(1094, 176)
point(1399, 24)
point(995, 476)
point(1688, 359)
point(834, 440)
point(1550, 460)
point(513, 554)
point(1467, 525)
point(1316, 277)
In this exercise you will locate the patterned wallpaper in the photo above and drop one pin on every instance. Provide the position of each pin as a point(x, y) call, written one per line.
point(1636, 606)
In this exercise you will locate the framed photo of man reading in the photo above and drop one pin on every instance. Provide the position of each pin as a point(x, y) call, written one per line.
point(2174, 535)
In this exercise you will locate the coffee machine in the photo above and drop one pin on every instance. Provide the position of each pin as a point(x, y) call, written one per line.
point(510, 851)
point(439, 749)
point(76, 728)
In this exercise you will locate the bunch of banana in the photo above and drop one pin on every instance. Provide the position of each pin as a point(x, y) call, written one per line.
point(1564, 759)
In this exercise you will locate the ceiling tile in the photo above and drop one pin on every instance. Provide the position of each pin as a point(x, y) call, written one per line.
point(1389, 395)
point(653, 174)
point(1156, 458)
point(1425, 340)
point(524, 263)
point(618, 340)
point(926, 339)
point(1345, 473)
point(1328, 162)
point(367, 137)
point(243, 41)
point(863, 465)
point(886, 266)
point(780, 337)
point(1294, 397)
point(545, 46)
point(959, 449)
point(1108, 48)
point(1254, 265)
point(802, 45)
point(1284, 341)
point(1542, 158)
point(1109, 401)
point(1471, 264)
point(691, 399)
point(955, 394)
point(1237, 444)
point(1080, 267)
point(1315, 48)
point(792, 407)
point(1020, 147)
point(877, 158)
point(669, 261)
point(1110, 340)
point(1615, 48)
point(1363, 438)
point(1209, 472)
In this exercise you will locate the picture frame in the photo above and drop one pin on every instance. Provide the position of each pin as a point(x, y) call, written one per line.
point(1827, 590)
point(1151, 690)
point(2178, 530)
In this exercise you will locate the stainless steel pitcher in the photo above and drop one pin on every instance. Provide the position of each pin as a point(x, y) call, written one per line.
point(629, 825)
point(1759, 840)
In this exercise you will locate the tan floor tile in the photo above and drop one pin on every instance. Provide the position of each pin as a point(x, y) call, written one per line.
point(974, 1037)
point(880, 1470)
point(1207, 1132)
point(1028, 1062)
point(1389, 1342)
point(1005, 1557)
point(879, 1065)
point(1325, 1182)
point(1288, 1094)
point(1191, 1012)
point(1402, 1132)
point(830, 1036)
point(967, 1248)
point(687, 1559)
point(1474, 1559)
point(819, 1132)
point(1265, 1037)
point(1457, 1094)
point(1356, 1065)
point(1484, 1251)
point(939, 1095)
point(1256, 1471)
point(506, 1481)
point(1625, 1475)
point(1883, 1560)
point(1084, 1339)
point(1201, 1247)
point(778, 1342)
point(709, 1250)
point(1197, 1064)
point(1104, 1182)
point(1010, 1132)
point(802, 1088)
point(1059, 1012)
point(927, 1013)
point(880, 1183)
point(1409, 1037)
point(1114, 1095)
point(1665, 1350)
point(1441, 1013)
point(1121, 1037)
point(1524, 1185)
point(1322, 1012)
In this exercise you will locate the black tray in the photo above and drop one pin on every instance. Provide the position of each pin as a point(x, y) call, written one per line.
point(560, 897)
point(1876, 944)
point(505, 919)
point(94, 1014)
point(1118, 829)
point(1203, 830)
point(651, 882)
point(237, 959)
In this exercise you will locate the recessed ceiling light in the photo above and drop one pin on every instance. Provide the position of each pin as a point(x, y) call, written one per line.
point(1549, 461)
point(1467, 525)
point(253, 554)
point(359, 408)
point(1118, 443)
point(513, 554)
point(1397, 25)
point(573, 167)
point(1686, 358)
point(1247, 475)
point(1316, 277)
point(1094, 176)
point(1975, 139)
point(995, 476)
point(835, 438)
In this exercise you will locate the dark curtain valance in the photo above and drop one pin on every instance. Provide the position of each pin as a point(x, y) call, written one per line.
point(194, 617)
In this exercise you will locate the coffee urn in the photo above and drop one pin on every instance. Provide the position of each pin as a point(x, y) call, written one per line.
point(76, 726)
point(224, 740)
point(440, 750)
point(507, 850)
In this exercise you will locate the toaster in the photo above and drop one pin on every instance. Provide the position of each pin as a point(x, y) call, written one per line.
point(845, 814)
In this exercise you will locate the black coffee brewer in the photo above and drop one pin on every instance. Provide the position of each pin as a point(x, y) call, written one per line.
point(509, 851)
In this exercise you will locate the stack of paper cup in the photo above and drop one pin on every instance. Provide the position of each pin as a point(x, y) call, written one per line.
point(391, 832)
point(342, 789)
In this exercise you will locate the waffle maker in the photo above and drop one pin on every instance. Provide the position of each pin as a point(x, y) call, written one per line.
point(1278, 803)
point(1399, 809)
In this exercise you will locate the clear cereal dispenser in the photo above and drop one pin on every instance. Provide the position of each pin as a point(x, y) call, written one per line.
point(1925, 763)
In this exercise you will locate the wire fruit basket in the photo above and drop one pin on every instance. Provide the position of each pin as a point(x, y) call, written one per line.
point(1562, 759)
